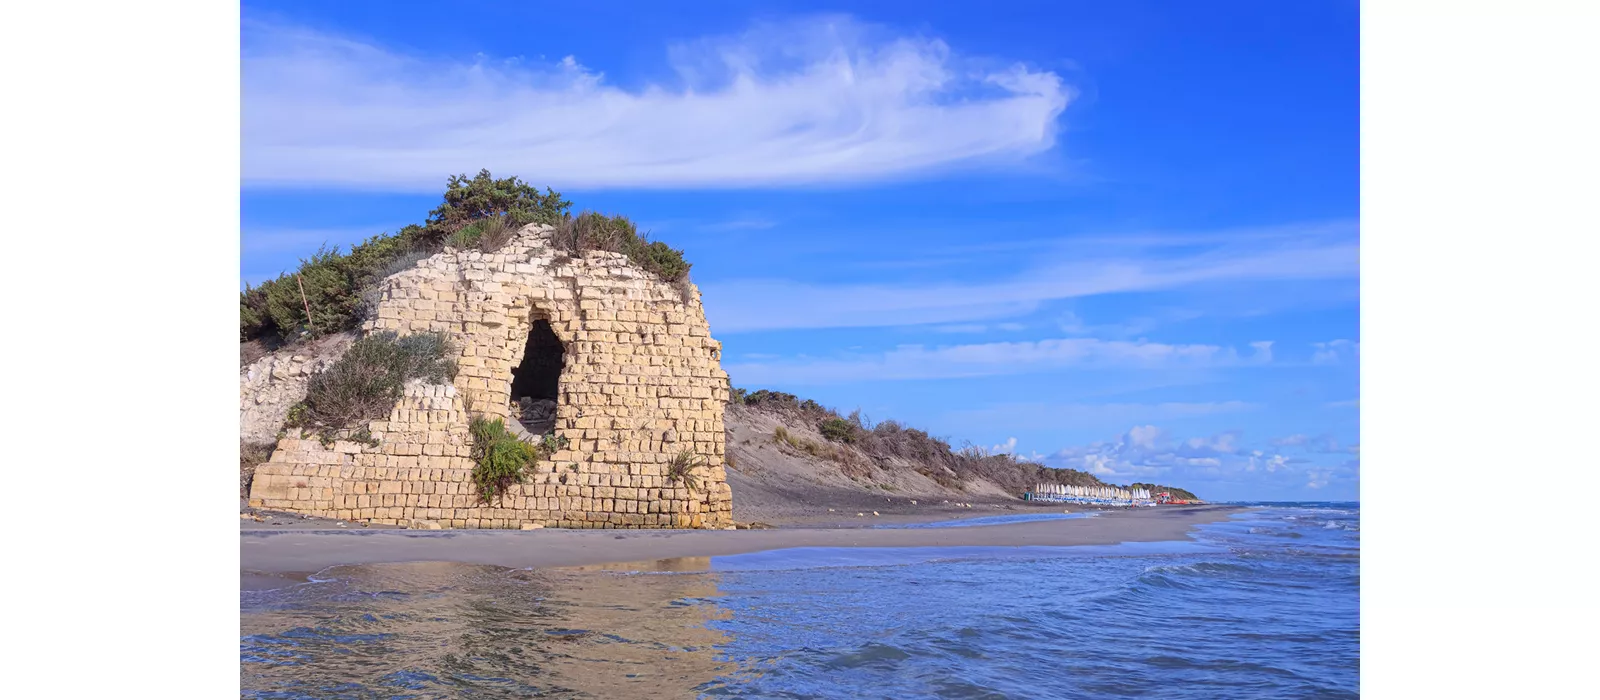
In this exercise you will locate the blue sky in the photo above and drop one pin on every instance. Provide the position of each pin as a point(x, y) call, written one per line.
point(1119, 237)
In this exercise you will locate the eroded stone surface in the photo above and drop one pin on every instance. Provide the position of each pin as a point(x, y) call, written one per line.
point(271, 384)
point(641, 383)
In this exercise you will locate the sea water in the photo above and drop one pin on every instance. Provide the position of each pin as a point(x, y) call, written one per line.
point(1264, 605)
point(989, 520)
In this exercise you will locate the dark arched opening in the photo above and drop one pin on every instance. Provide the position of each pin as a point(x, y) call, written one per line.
point(536, 383)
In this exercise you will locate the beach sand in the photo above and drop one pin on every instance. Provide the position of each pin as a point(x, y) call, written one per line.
point(276, 555)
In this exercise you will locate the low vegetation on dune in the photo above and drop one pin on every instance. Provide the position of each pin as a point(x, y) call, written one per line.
point(333, 291)
point(857, 444)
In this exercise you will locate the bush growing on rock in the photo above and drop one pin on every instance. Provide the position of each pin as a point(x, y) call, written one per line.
point(323, 285)
point(616, 234)
point(467, 201)
point(364, 384)
point(501, 458)
point(488, 234)
point(331, 284)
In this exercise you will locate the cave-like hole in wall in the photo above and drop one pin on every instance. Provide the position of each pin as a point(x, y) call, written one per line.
point(536, 383)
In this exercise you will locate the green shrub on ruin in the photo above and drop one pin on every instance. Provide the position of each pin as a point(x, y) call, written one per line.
point(590, 231)
point(503, 460)
point(658, 258)
point(488, 234)
point(551, 443)
point(330, 284)
point(469, 200)
point(332, 291)
point(336, 287)
point(364, 384)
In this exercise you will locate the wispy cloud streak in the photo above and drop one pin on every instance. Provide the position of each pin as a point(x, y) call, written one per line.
point(1313, 252)
point(818, 100)
point(989, 359)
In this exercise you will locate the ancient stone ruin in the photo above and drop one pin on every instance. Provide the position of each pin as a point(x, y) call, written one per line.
point(588, 347)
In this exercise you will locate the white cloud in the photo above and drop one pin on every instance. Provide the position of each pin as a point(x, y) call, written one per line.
point(1320, 444)
point(1296, 253)
point(1007, 447)
point(961, 328)
point(1317, 478)
point(1269, 463)
point(817, 100)
point(989, 359)
point(1263, 349)
point(977, 327)
point(741, 225)
point(1334, 352)
point(1220, 444)
point(1044, 415)
point(1142, 437)
point(1149, 453)
point(1073, 324)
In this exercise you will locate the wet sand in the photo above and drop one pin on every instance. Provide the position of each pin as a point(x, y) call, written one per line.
point(272, 557)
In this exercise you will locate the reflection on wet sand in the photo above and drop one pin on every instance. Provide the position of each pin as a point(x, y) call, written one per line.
point(438, 629)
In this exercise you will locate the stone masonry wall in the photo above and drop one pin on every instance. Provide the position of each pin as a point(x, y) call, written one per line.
point(641, 382)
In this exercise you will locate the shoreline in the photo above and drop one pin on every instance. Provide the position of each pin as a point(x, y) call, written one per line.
point(274, 558)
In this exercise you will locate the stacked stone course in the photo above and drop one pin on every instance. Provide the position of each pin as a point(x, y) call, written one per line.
point(641, 382)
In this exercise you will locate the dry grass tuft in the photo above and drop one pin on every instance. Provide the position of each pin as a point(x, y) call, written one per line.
point(590, 231)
